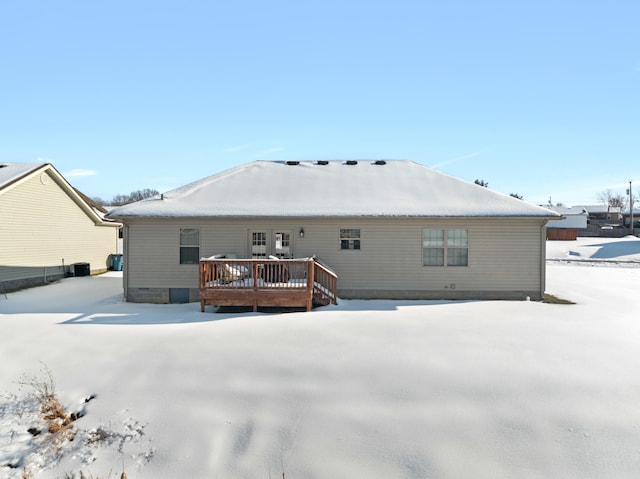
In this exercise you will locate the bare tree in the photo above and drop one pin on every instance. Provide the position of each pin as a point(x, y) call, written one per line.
point(482, 183)
point(119, 200)
point(142, 194)
point(611, 199)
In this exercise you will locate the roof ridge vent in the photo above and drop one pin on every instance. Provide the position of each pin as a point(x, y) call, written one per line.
point(322, 162)
point(292, 163)
point(351, 162)
point(379, 162)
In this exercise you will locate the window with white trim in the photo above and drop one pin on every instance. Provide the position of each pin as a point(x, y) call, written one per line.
point(189, 245)
point(442, 247)
point(350, 238)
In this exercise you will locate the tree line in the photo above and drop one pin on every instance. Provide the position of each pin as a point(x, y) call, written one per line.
point(607, 197)
point(119, 200)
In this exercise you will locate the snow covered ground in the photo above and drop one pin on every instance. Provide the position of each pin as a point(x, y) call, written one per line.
point(364, 389)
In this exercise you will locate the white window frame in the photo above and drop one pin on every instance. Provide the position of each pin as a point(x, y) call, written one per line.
point(350, 239)
point(445, 247)
point(187, 243)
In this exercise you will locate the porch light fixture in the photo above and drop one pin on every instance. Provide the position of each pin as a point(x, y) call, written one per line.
point(301, 232)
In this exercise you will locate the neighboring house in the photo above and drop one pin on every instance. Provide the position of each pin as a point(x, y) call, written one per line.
point(393, 229)
point(603, 213)
point(574, 220)
point(48, 229)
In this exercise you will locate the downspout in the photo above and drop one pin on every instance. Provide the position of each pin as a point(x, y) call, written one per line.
point(125, 256)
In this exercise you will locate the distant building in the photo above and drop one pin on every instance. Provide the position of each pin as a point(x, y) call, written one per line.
point(603, 213)
point(573, 220)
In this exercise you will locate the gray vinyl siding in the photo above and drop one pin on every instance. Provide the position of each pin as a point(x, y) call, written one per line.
point(504, 254)
point(43, 227)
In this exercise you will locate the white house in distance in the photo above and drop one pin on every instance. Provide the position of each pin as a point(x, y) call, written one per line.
point(603, 213)
point(574, 220)
point(48, 228)
point(389, 229)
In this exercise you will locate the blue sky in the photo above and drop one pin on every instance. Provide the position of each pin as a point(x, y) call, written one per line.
point(537, 98)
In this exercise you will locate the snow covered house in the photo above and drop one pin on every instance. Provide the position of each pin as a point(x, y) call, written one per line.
point(573, 220)
point(48, 228)
point(603, 213)
point(389, 229)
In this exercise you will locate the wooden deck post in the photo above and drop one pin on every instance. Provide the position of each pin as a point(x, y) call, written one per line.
point(310, 283)
point(254, 273)
point(203, 280)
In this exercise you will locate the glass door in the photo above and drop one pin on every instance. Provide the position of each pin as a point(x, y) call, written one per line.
point(258, 244)
point(275, 242)
point(282, 247)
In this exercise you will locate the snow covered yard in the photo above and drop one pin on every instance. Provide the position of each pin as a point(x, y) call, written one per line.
point(386, 389)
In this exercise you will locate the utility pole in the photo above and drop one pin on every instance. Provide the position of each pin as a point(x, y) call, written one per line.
point(630, 208)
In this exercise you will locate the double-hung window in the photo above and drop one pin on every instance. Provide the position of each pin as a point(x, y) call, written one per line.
point(189, 246)
point(433, 247)
point(442, 247)
point(350, 238)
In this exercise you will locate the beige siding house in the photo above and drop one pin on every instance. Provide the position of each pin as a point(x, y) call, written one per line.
point(47, 227)
point(389, 229)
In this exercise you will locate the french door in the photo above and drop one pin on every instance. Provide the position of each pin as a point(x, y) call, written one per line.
point(272, 242)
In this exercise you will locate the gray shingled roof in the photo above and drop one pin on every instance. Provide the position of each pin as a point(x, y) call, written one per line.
point(397, 188)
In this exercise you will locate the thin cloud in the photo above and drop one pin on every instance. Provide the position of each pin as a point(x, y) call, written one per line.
point(457, 159)
point(77, 172)
point(235, 149)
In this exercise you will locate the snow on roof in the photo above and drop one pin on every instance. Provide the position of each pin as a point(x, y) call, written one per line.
point(600, 208)
point(569, 211)
point(394, 188)
point(10, 172)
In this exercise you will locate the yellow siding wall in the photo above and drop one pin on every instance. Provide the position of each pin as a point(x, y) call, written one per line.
point(504, 254)
point(41, 225)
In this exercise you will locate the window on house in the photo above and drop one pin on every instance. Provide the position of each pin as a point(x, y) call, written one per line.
point(440, 247)
point(259, 244)
point(350, 239)
point(433, 247)
point(457, 248)
point(189, 246)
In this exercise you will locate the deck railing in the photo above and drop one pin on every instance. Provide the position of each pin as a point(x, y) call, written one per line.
point(266, 282)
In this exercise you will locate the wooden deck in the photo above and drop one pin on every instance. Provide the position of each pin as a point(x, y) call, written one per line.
point(266, 282)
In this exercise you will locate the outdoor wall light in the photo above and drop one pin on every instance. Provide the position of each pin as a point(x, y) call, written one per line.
point(301, 233)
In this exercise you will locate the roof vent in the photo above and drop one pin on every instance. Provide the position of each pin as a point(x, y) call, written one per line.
point(351, 162)
point(323, 162)
point(293, 163)
point(3, 166)
point(380, 162)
